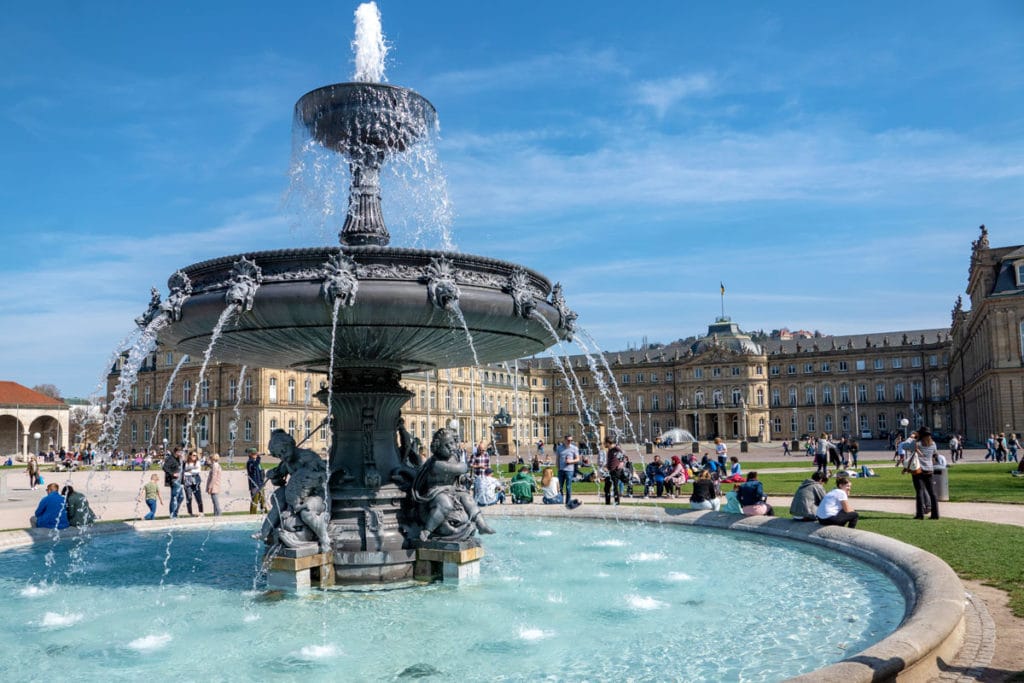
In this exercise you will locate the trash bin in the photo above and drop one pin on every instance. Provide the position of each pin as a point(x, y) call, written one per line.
point(695, 447)
point(649, 447)
point(941, 479)
point(794, 446)
point(744, 447)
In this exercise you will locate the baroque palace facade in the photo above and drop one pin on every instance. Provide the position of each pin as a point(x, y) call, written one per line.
point(968, 378)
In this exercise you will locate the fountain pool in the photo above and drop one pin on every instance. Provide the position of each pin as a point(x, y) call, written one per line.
point(675, 603)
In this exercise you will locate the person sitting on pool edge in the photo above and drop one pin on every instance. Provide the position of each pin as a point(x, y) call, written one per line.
point(523, 486)
point(835, 508)
point(807, 498)
point(752, 499)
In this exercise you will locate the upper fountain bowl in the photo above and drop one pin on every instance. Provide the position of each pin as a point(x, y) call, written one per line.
point(361, 118)
point(396, 308)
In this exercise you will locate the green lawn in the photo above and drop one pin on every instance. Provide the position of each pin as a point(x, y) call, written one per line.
point(989, 483)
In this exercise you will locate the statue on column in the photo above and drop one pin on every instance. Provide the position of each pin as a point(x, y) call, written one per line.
point(300, 506)
point(446, 510)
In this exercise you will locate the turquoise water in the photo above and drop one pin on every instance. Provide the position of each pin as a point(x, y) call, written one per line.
point(557, 600)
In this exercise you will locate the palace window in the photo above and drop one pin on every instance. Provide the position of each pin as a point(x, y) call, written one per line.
point(774, 370)
point(791, 369)
point(916, 391)
point(309, 428)
point(291, 428)
point(167, 429)
point(639, 403)
point(846, 423)
point(433, 399)
point(203, 430)
point(825, 366)
point(717, 398)
point(308, 390)
point(760, 397)
point(810, 424)
point(879, 364)
point(272, 393)
point(558, 406)
point(291, 391)
point(546, 406)
point(204, 391)
point(625, 379)
point(639, 378)
point(737, 396)
point(882, 422)
point(135, 432)
point(759, 370)
point(827, 423)
point(698, 373)
point(792, 396)
point(323, 431)
point(448, 400)
point(716, 372)
point(861, 365)
point(879, 392)
point(897, 392)
point(842, 366)
point(915, 361)
point(844, 393)
point(273, 423)
point(232, 390)
point(147, 393)
point(735, 371)
point(248, 389)
point(776, 425)
point(933, 361)
point(698, 398)
point(145, 431)
point(135, 395)
point(826, 394)
point(669, 401)
point(169, 359)
point(862, 393)
point(668, 376)
point(461, 399)
point(809, 396)
point(186, 392)
point(897, 363)
point(808, 368)
point(654, 402)
point(776, 398)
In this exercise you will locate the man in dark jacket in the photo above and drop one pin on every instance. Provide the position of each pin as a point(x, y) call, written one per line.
point(172, 478)
point(257, 478)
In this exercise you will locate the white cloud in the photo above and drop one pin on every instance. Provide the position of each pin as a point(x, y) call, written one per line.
point(662, 94)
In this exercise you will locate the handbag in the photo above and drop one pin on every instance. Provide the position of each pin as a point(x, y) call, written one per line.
point(913, 464)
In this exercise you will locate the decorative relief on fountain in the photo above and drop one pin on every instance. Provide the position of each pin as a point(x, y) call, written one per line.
point(152, 312)
point(246, 278)
point(340, 280)
point(446, 511)
point(300, 506)
point(523, 300)
point(441, 288)
point(566, 316)
point(181, 290)
point(371, 476)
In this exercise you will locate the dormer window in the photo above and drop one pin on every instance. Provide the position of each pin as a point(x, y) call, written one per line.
point(1018, 270)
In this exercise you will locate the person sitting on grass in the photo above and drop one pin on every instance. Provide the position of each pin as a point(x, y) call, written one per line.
point(835, 508)
point(752, 498)
point(735, 471)
point(675, 478)
point(523, 486)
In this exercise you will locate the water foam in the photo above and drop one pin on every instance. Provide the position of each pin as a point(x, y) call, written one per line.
point(54, 620)
point(32, 591)
point(646, 557)
point(679, 576)
point(544, 533)
point(610, 543)
point(641, 602)
point(318, 651)
point(150, 643)
point(533, 634)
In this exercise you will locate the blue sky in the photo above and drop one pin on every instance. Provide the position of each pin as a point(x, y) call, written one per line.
point(829, 162)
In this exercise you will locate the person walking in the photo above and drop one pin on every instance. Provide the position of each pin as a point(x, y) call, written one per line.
point(257, 478)
point(33, 472)
point(615, 461)
point(213, 485)
point(1012, 444)
point(172, 467)
point(568, 457)
point(193, 483)
point(854, 450)
point(924, 486)
point(785, 448)
point(150, 493)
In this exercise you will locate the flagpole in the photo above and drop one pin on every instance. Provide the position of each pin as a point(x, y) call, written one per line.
point(722, 287)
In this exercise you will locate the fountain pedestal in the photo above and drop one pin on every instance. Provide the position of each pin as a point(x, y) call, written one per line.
point(448, 561)
point(366, 526)
point(298, 570)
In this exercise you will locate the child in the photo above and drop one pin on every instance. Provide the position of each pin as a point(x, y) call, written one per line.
point(151, 493)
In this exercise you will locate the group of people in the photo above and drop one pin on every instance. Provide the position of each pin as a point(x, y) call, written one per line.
point(812, 503)
point(1001, 448)
point(183, 475)
point(61, 508)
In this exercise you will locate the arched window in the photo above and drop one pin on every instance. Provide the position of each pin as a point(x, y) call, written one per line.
point(291, 428)
point(204, 391)
point(462, 400)
point(145, 431)
point(308, 389)
point(248, 389)
point(448, 400)
point(272, 393)
point(248, 430)
point(273, 423)
point(309, 428)
point(717, 397)
point(698, 398)
point(186, 392)
point(737, 397)
point(291, 391)
point(135, 432)
point(760, 397)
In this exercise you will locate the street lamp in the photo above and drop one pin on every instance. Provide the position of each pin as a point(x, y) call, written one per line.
point(37, 436)
point(905, 423)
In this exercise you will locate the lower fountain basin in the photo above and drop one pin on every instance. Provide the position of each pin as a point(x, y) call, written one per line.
point(721, 605)
point(391, 323)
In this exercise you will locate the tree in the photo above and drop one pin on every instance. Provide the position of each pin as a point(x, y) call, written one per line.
point(50, 390)
point(85, 423)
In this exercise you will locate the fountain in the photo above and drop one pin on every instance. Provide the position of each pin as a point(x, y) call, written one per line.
point(363, 314)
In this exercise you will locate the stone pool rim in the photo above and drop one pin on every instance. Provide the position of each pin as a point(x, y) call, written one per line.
point(931, 630)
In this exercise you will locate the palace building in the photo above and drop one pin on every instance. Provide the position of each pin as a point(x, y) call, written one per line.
point(968, 378)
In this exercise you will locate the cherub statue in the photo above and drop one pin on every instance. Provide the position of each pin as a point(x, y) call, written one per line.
point(446, 510)
point(300, 505)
